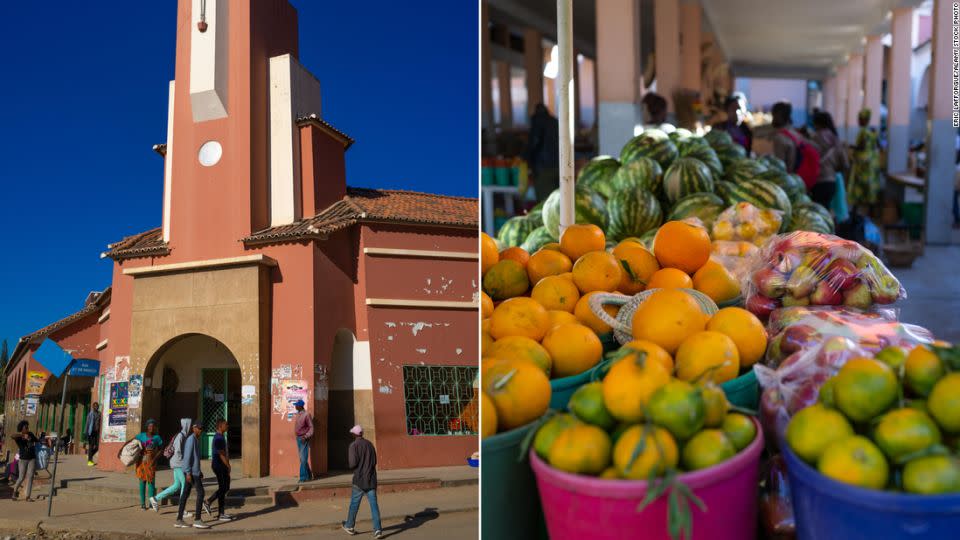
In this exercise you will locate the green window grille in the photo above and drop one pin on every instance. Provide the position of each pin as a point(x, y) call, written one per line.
point(438, 399)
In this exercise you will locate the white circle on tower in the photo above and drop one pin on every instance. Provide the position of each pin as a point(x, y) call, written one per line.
point(210, 153)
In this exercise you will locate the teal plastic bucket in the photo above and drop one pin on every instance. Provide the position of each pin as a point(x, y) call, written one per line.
point(744, 391)
point(561, 389)
point(508, 490)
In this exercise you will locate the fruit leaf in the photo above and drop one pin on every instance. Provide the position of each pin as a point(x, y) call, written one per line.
point(528, 438)
point(641, 444)
point(932, 450)
point(950, 356)
point(743, 410)
point(502, 381)
point(631, 273)
point(599, 371)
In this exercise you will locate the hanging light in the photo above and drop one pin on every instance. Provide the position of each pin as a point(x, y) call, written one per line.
point(202, 25)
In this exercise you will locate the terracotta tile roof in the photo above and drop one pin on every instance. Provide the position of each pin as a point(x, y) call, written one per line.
point(144, 244)
point(326, 126)
point(377, 205)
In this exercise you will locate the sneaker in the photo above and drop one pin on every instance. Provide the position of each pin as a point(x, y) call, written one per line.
point(206, 508)
point(349, 530)
point(90, 463)
point(198, 524)
point(180, 524)
point(188, 514)
point(154, 504)
point(225, 517)
point(378, 534)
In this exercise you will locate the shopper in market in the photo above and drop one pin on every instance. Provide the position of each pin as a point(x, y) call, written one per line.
point(543, 152)
point(656, 109)
point(734, 125)
point(178, 443)
point(833, 158)
point(864, 185)
point(27, 462)
point(194, 479)
point(147, 466)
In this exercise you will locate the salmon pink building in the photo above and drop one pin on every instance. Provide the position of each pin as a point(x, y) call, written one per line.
point(270, 280)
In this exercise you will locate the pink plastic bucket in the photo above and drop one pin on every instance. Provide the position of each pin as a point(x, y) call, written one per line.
point(578, 507)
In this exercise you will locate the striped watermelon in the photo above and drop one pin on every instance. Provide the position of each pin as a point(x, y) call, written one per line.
point(742, 170)
point(697, 148)
point(760, 193)
point(537, 239)
point(647, 239)
point(729, 153)
point(652, 143)
point(632, 213)
point(803, 198)
point(589, 207)
point(773, 162)
point(641, 173)
point(516, 230)
point(706, 206)
point(809, 220)
point(597, 174)
point(815, 208)
point(686, 175)
point(791, 184)
point(680, 134)
point(718, 137)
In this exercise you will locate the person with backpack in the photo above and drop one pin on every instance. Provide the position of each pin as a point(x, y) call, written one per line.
point(174, 453)
point(833, 160)
point(147, 465)
point(798, 154)
point(193, 478)
point(27, 462)
point(865, 173)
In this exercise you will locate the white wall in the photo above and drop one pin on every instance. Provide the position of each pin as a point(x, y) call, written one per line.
point(187, 357)
point(763, 93)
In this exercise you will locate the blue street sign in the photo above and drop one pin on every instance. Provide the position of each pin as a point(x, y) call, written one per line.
point(84, 367)
point(52, 357)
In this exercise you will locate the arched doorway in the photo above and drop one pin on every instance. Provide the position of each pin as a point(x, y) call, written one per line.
point(351, 396)
point(195, 376)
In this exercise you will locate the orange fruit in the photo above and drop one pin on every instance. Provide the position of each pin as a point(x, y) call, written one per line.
point(706, 356)
point(578, 240)
point(922, 370)
point(944, 403)
point(715, 281)
point(667, 318)
point(669, 278)
point(581, 449)
point(856, 461)
point(489, 255)
point(658, 453)
point(864, 388)
point(901, 432)
point(515, 254)
point(521, 348)
point(574, 349)
point(485, 325)
point(519, 390)
point(682, 245)
point(486, 305)
point(706, 449)
point(628, 385)
point(519, 317)
point(506, 279)
point(556, 292)
point(587, 318)
point(567, 275)
point(813, 429)
point(486, 341)
point(654, 352)
point(555, 246)
point(560, 317)
point(932, 475)
point(637, 267)
point(488, 416)
point(596, 271)
point(547, 262)
point(746, 331)
point(550, 430)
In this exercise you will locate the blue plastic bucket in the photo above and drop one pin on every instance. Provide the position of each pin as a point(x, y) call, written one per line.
point(825, 509)
point(744, 391)
point(508, 490)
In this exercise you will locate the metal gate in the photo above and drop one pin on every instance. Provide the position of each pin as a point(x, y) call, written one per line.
point(213, 405)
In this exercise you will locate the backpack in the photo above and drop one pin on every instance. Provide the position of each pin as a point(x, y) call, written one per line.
point(131, 452)
point(808, 160)
point(169, 450)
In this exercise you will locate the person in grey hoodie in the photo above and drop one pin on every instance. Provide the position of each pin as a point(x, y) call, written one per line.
point(190, 466)
point(179, 443)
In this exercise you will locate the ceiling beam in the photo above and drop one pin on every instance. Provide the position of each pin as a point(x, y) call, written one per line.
point(521, 16)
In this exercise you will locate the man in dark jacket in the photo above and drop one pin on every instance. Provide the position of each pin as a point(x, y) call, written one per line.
point(92, 432)
point(543, 152)
point(362, 459)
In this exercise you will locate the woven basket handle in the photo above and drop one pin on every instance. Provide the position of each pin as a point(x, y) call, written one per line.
point(597, 302)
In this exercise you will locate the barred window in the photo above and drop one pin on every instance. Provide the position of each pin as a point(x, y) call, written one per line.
point(440, 399)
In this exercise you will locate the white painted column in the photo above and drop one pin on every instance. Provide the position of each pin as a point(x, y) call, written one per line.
point(854, 94)
point(533, 65)
point(830, 94)
point(873, 78)
point(690, 14)
point(617, 73)
point(565, 110)
point(941, 133)
point(666, 15)
point(840, 113)
point(168, 165)
point(898, 90)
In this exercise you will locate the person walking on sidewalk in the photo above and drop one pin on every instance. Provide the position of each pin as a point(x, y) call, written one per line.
point(221, 467)
point(147, 467)
point(92, 432)
point(362, 458)
point(193, 477)
point(176, 462)
point(27, 462)
point(303, 427)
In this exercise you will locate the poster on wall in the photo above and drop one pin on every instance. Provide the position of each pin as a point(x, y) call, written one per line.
point(32, 406)
point(293, 390)
point(121, 366)
point(115, 421)
point(36, 380)
point(248, 394)
point(134, 390)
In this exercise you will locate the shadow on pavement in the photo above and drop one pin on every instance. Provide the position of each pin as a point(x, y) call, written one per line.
point(412, 522)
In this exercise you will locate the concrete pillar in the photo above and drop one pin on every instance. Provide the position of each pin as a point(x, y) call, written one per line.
point(533, 65)
point(873, 78)
point(840, 113)
point(854, 94)
point(618, 73)
point(486, 81)
point(898, 90)
point(690, 14)
point(503, 82)
point(941, 132)
point(576, 92)
point(830, 94)
point(666, 15)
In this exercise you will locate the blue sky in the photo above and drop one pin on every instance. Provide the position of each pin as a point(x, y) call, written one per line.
point(84, 89)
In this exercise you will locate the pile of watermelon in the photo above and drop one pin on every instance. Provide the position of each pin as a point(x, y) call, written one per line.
point(670, 174)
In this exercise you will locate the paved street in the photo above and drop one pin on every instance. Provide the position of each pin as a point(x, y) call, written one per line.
point(933, 292)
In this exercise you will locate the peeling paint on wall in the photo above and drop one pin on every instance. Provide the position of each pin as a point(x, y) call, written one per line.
point(422, 351)
point(459, 351)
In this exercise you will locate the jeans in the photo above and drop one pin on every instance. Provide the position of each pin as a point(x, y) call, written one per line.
point(197, 484)
point(179, 482)
point(956, 207)
point(303, 449)
point(355, 499)
point(93, 444)
point(150, 487)
point(223, 486)
point(26, 469)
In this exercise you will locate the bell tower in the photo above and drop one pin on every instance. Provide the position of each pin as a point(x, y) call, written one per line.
point(233, 154)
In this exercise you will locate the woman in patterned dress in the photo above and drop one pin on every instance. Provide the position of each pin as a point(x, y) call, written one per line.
point(147, 468)
point(864, 186)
